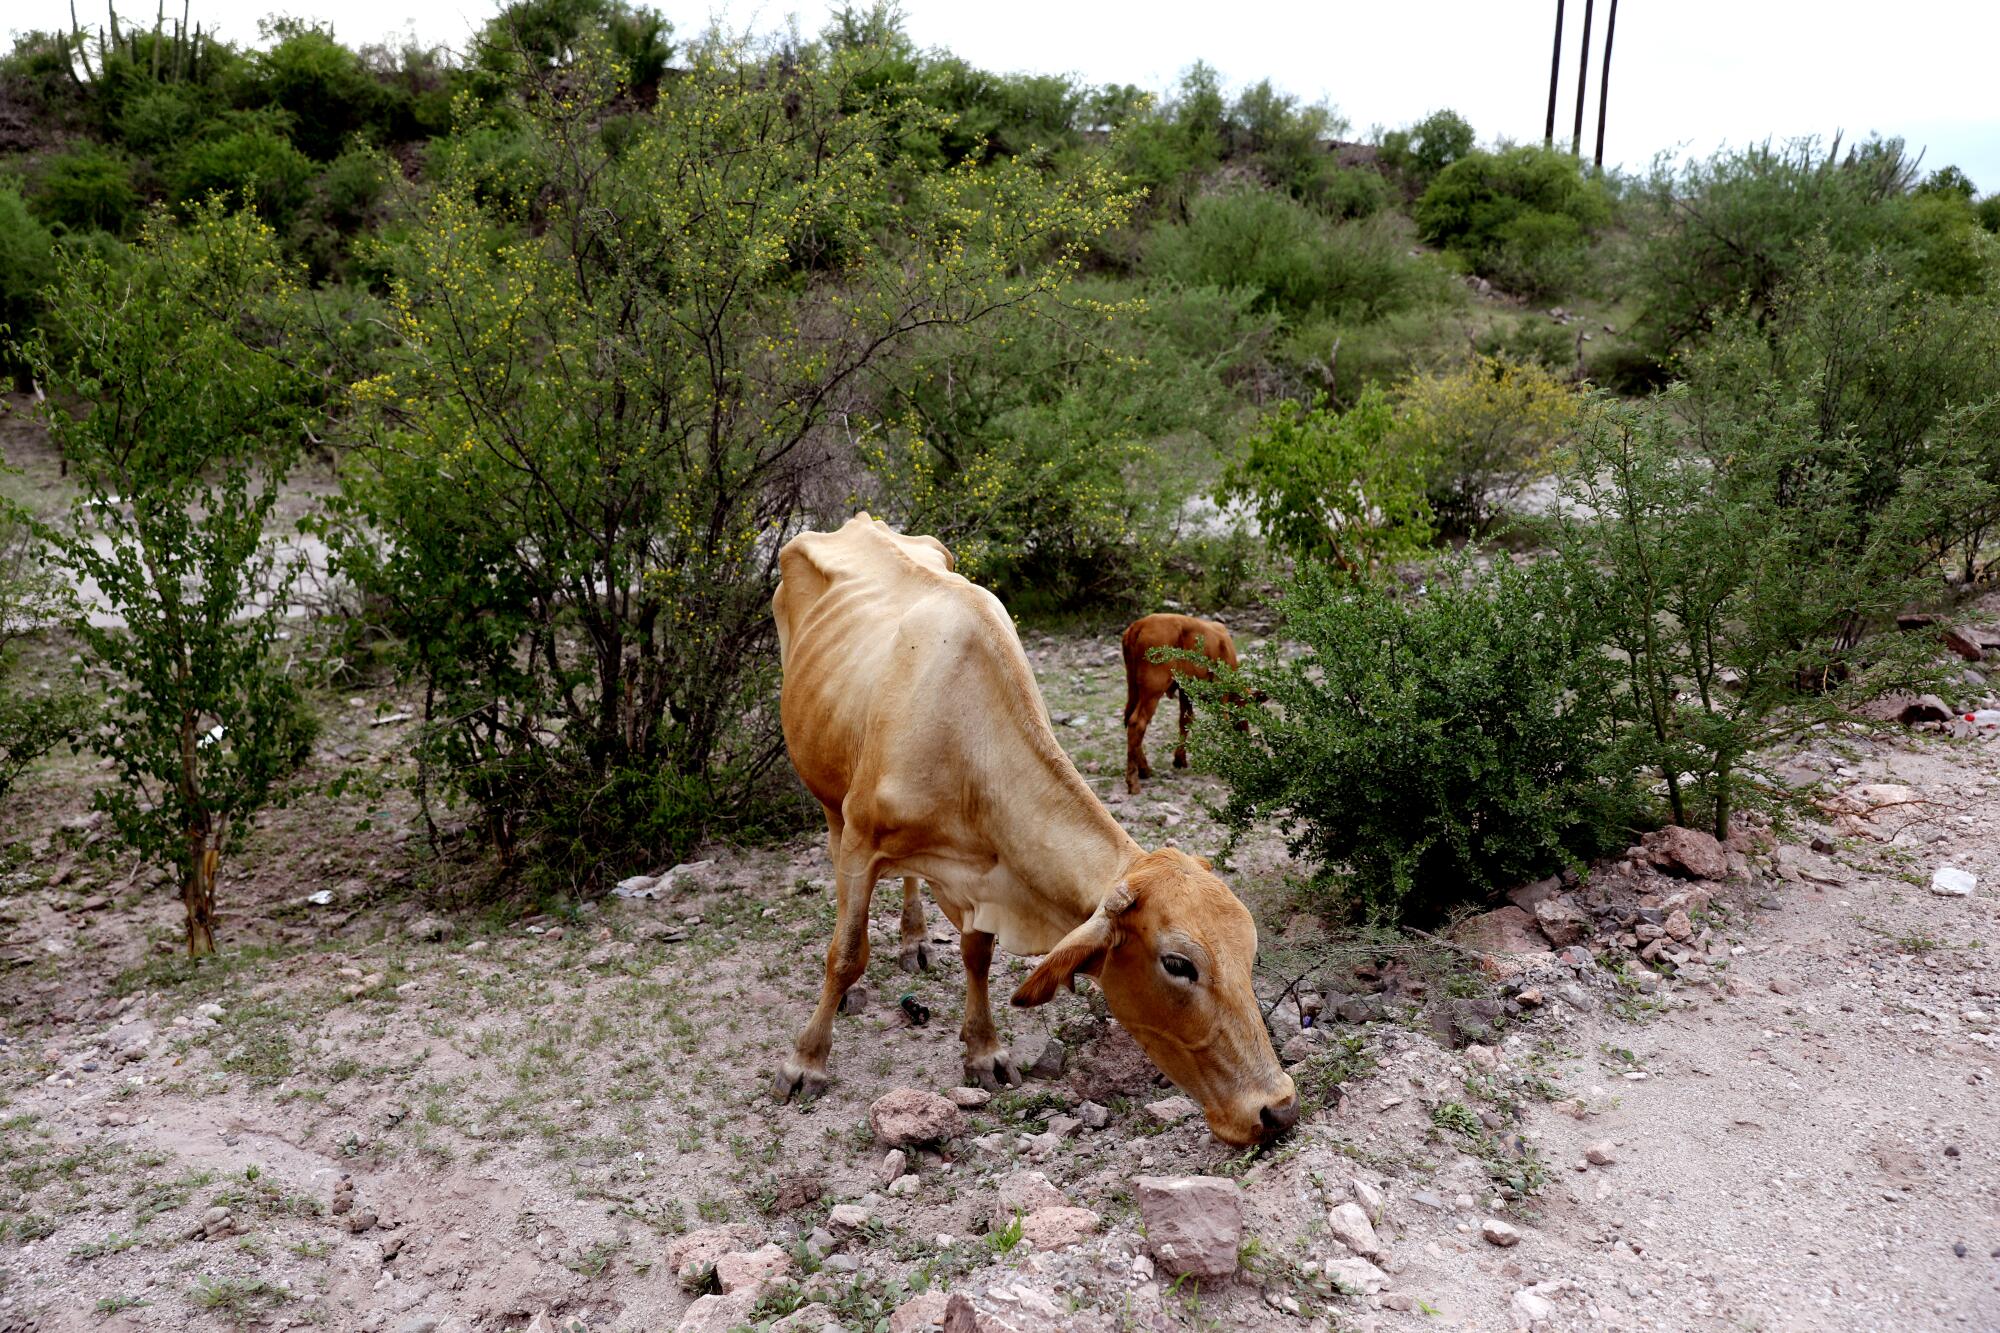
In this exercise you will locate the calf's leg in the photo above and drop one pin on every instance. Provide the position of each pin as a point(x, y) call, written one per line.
point(846, 958)
point(916, 952)
point(985, 1063)
point(1138, 717)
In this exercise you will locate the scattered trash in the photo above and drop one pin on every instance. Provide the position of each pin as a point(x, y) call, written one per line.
point(391, 719)
point(1985, 719)
point(1951, 882)
point(324, 898)
point(915, 1010)
point(212, 736)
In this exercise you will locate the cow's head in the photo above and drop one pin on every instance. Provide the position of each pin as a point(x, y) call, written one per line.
point(1173, 948)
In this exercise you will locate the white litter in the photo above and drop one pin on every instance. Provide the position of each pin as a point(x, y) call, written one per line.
point(1951, 882)
point(324, 898)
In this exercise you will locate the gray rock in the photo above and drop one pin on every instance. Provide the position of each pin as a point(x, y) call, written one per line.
point(1093, 1116)
point(908, 1117)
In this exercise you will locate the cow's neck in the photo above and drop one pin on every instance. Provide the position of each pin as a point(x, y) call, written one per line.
point(1061, 841)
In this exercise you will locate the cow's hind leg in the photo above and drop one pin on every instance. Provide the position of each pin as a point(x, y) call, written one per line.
point(986, 1064)
point(916, 951)
point(1138, 716)
point(1187, 717)
point(846, 958)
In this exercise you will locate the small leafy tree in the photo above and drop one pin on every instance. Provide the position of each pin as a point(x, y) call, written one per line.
point(1735, 588)
point(590, 442)
point(1520, 216)
point(1488, 429)
point(1421, 752)
point(188, 425)
point(1334, 486)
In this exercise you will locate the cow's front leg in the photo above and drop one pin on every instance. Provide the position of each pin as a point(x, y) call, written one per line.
point(985, 1063)
point(846, 958)
point(916, 951)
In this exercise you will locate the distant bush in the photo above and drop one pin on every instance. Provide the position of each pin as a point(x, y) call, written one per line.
point(249, 162)
point(27, 263)
point(320, 85)
point(1293, 259)
point(1486, 430)
point(1424, 752)
point(88, 187)
point(1426, 148)
point(1337, 487)
point(1727, 233)
point(1519, 216)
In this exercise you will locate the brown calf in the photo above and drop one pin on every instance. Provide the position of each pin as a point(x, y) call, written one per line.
point(1147, 681)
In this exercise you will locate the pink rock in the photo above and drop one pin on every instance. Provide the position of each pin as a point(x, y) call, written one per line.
point(1686, 852)
point(691, 1258)
point(907, 1117)
point(1059, 1228)
point(1194, 1224)
point(750, 1270)
point(1562, 921)
point(718, 1314)
point(1022, 1193)
point(921, 1312)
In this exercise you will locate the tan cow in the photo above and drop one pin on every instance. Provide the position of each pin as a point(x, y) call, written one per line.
point(911, 714)
point(1147, 681)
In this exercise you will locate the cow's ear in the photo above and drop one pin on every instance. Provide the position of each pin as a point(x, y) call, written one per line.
point(1082, 950)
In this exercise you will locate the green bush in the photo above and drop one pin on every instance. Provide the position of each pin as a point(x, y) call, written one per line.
point(248, 162)
point(1294, 260)
point(27, 263)
point(320, 85)
point(585, 443)
point(1738, 587)
point(1728, 233)
point(89, 186)
point(1338, 487)
point(1519, 215)
point(1487, 430)
point(1426, 148)
point(159, 119)
point(1423, 752)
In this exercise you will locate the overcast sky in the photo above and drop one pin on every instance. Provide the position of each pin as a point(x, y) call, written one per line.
point(1687, 75)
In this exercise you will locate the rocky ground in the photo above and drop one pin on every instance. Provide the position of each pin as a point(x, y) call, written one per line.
point(1737, 1087)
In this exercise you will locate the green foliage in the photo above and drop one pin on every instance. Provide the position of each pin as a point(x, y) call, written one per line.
point(588, 443)
point(1296, 262)
point(1426, 148)
point(1726, 234)
point(1052, 451)
point(1334, 486)
point(1422, 752)
point(89, 186)
point(1736, 586)
point(320, 85)
point(248, 162)
point(189, 426)
point(1899, 387)
point(1520, 216)
point(1486, 429)
point(27, 262)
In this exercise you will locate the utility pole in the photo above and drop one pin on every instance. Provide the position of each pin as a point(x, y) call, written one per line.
point(1582, 82)
point(1555, 73)
point(1604, 79)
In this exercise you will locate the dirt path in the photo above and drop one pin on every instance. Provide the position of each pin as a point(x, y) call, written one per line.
point(532, 1113)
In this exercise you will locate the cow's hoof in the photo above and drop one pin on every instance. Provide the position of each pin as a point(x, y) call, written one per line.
point(915, 958)
point(796, 1080)
point(1131, 785)
point(1180, 759)
point(992, 1072)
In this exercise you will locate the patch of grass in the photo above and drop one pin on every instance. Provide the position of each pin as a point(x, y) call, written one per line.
point(1512, 1163)
point(114, 1304)
point(1004, 1239)
point(238, 1299)
point(1321, 1076)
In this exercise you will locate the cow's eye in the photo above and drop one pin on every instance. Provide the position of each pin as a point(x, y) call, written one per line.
point(1178, 966)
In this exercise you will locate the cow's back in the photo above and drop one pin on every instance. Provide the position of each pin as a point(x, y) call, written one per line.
point(866, 617)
